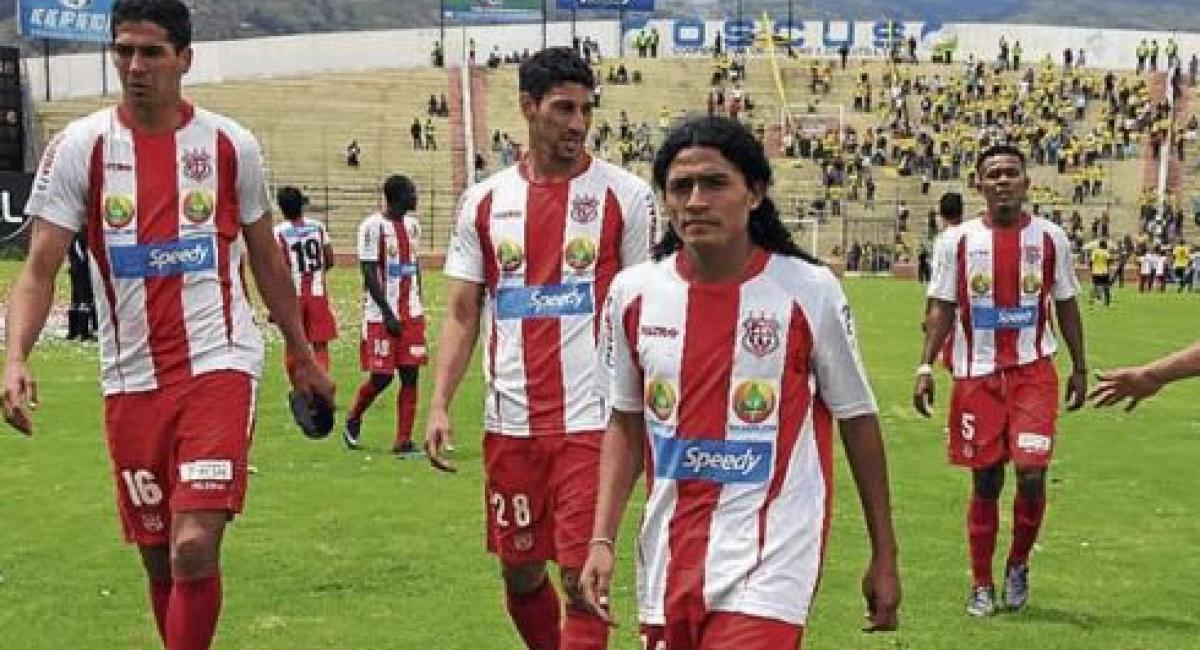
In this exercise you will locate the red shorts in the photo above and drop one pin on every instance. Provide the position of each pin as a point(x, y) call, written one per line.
point(541, 496)
point(382, 353)
point(317, 317)
point(1008, 414)
point(721, 631)
point(179, 449)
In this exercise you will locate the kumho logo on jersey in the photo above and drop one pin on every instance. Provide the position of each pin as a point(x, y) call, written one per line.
point(118, 210)
point(545, 301)
point(163, 259)
point(661, 398)
point(580, 254)
point(754, 401)
point(716, 461)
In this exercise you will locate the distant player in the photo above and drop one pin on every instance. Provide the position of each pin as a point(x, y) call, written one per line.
point(393, 327)
point(950, 209)
point(305, 246)
point(725, 362)
point(539, 244)
point(995, 283)
point(1101, 263)
point(1181, 259)
point(173, 201)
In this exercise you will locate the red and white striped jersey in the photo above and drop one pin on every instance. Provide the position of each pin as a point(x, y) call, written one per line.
point(738, 384)
point(302, 242)
point(1004, 282)
point(546, 253)
point(164, 215)
point(395, 247)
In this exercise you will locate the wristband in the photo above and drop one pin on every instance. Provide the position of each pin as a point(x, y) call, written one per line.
point(602, 541)
point(924, 369)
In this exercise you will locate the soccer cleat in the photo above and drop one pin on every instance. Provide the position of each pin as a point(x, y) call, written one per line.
point(1016, 586)
point(982, 601)
point(350, 433)
point(407, 451)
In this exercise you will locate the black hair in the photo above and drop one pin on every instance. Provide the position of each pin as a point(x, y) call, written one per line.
point(400, 194)
point(290, 200)
point(171, 15)
point(999, 150)
point(553, 66)
point(737, 145)
point(950, 206)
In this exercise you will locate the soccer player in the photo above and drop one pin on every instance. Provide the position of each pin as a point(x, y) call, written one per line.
point(539, 243)
point(1181, 257)
point(994, 284)
point(169, 195)
point(950, 208)
point(393, 328)
point(1101, 273)
point(1140, 382)
point(306, 250)
point(725, 362)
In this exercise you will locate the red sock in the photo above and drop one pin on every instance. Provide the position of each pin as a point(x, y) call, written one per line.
point(983, 518)
point(406, 410)
point(1027, 520)
point(583, 631)
point(160, 599)
point(363, 400)
point(322, 356)
point(536, 616)
point(192, 618)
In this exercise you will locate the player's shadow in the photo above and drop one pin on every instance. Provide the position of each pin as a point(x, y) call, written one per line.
point(1094, 621)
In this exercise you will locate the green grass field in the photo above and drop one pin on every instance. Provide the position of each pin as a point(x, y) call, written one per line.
point(358, 550)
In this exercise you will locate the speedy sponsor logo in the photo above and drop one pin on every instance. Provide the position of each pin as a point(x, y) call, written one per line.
point(402, 270)
point(206, 470)
point(164, 259)
point(1004, 318)
point(661, 398)
point(545, 301)
point(716, 461)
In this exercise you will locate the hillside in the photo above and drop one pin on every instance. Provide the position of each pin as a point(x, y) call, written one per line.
point(224, 20)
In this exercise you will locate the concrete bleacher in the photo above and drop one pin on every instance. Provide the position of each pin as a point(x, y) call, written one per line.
point(304, 125)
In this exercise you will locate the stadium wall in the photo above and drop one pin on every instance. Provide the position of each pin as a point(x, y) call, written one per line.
point(82, 75)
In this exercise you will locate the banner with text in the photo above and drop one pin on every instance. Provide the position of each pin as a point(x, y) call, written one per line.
point(65, 20)
point(494, 11)
point(606, 5)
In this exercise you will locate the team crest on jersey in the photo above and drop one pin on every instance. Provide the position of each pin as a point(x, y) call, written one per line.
point(661, 399)
point(754, 401)
point(198, 206)
point(760, 334)
point(1031, 283)
point(523, 541)
point(118, 210)
point(152, 522)
point(981, 284)
point(197, 164)
point(1032, 254)
point(580, 253)
point(510, 256)
point(585, 209)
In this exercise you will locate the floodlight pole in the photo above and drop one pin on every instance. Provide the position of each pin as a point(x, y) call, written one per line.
point(442, 28)
point(543, 26)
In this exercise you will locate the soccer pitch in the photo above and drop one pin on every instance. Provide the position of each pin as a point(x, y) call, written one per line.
point(342, 549)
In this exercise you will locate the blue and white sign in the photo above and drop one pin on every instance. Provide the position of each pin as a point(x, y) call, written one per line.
point(163, 259)
point(716, 461)
point(546, 301)
point(606, 5)
point(1003, 318)
point(404, 270)
point(66, 20)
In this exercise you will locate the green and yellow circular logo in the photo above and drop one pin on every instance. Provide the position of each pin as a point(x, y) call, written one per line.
point(661, 399)
point(754, 401)
point(510, 256)
point(580, 253)
point(198, 206)
point(118, 210)
point(981, 283)
point(1031, 283)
